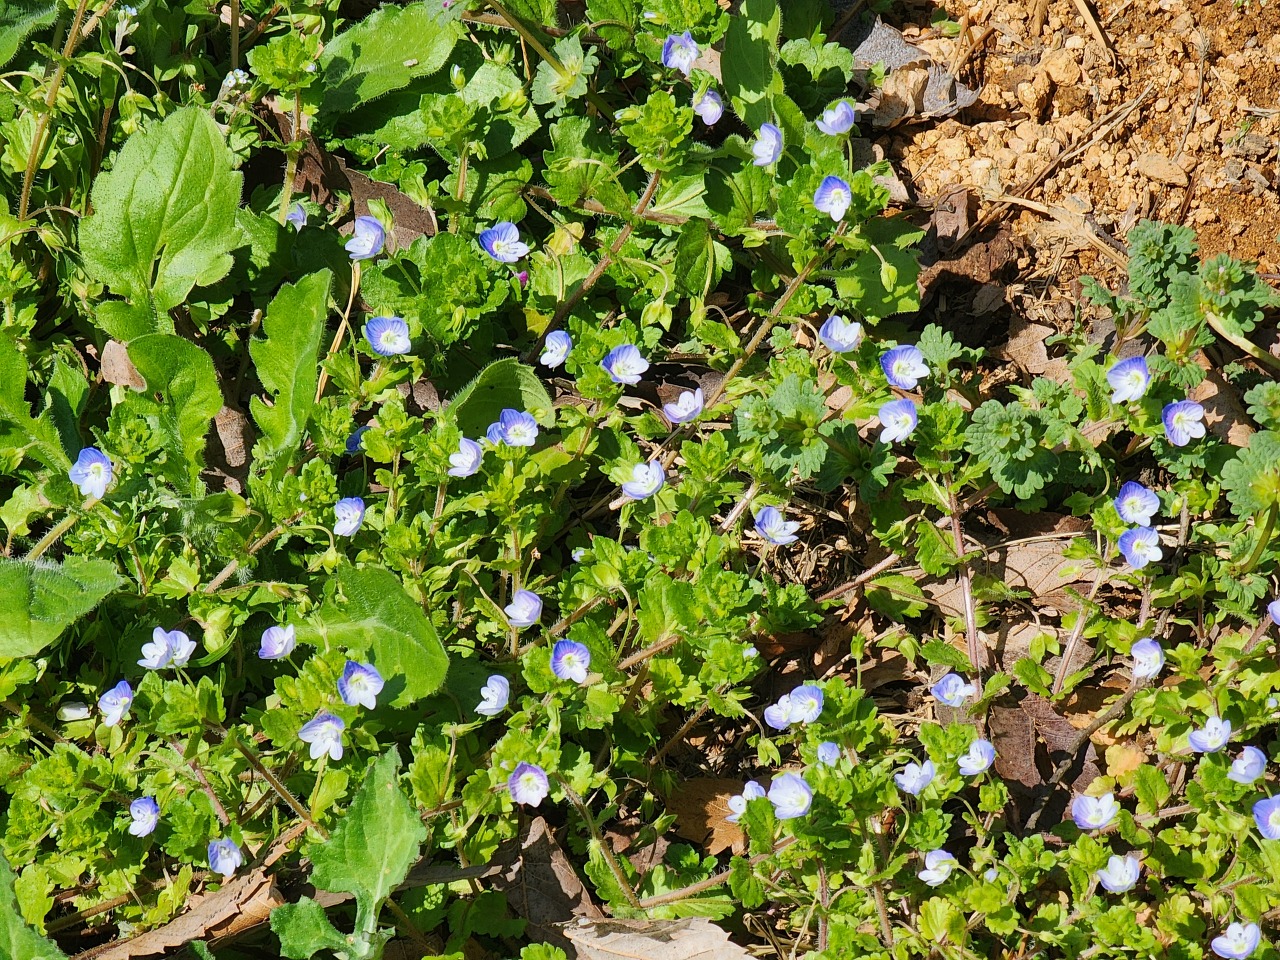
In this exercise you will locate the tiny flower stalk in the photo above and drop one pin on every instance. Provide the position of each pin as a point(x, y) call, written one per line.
point(1264, 538)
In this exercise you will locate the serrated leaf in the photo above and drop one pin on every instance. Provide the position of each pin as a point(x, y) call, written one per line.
point(938, 652)
point(163, 221)
point(504, 383)
point(40, 600)
point(287, 361)
point(376, 620)
point(17, 940)
point(304, 930)
point(37, 435)
point(1151, 787)
point(18, 19)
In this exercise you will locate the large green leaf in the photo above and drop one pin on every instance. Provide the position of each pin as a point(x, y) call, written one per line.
point(37, 435)
point(376, 620)
point(17, 940)
point(163, 221)
point(183, 376)
point(748, 63)
point(18, 18)
point(287, 361)
point(40, 600)
point(504, 383)
point(304, 930)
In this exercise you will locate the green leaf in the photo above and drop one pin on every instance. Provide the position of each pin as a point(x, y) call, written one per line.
point(939, 652)
point(304, 930)
point(17, 940)
point(504, 383)
point(378, 621)
point(163, 221)
point(287, 362)
point(1151, 787)
point(373, 846)
point(183, 375)
point(750, 49)
point(896, 596)
point(37, 435)
point(18, 19)
point(40, 600)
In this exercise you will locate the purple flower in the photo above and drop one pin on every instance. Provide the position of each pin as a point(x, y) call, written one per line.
point(790, 795)
point(1136, 504)
point(324, 733)
point(224, 857)
point(1249, 766)
point(778, 715)
point(502, 242)
point(915, 777)
point(687, 407)
point(953, 690)
point(91, 473)
point(982, 753)
point(467, 460)
point(709, 107)
point(679, 51)
point(767, 147)
point(1129, 379)
point(556, 349)
point(569, 661)
point(624, 364)
point(167, 649)
point(904, 366)
point(1239, 941)
point(738, 804)
point(806, 703)
point(296, 217)
point(898, 418)
point(646, 480)
point(514, 428)
point(528, 784)
point(838, 119)
point(524, 609)
point(115, 703)
point(360, 684)
point(833, 197)
point(1094, 813)
point(1183, 422)
point(840, 335)
point(387, 336)
point(367, 238)
point(938, 865)
point(1120, 874)
point(494, 696)
point(773, 527)
point(146, 815)
point(348, 515)
point(355, 442)
point(1148, 658)
point(829, 753)
point(1266, 814)
point(1212, 737)
point(277, 643)
point(1273, 611)
point(1140, 546)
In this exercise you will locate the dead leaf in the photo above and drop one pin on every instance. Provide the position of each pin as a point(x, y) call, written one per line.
point(543, 887)
point(1225, 416)
point(953, 216)
point(1122, 759)
point(701, 805)
point(117, 368)
point(901, 96)
point(695, 938)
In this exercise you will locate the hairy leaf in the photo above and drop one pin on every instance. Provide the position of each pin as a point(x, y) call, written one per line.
point(304, 930)
point(37, 435)
point(17, 940)
point(18, 18)
point(40, 600)
point(502, 384)
point(750, 49)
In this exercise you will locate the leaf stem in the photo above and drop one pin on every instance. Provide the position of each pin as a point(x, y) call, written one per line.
point(1264, 538)
point(342, 328)
point(254, 547)
point(614, 867)
point(292, 151)
point(50, 538)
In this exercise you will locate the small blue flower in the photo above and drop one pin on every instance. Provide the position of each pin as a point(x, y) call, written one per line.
point(751, 790)
point(296, 217)
point(91, 473)
point(709, 108)
point(829, 753)
point(625, 364)
point(556, 349)
point(1140, 546)
point(688, 406)
point(1249, 766)
point(224, 857)
point(387, 336)
point(1212, 737)
point(524, 610)
point(833, 197)
point(773, 527)
point(1239, 941)
point(679, 51)
point(1136, 504)
point(115, 703)
point(806, 703)
point(938, 865)
point(904, 366)
point(466, 462)
point(1148, 658)
point(840, 335)
point(1129, 379)
point(324, 733)
point(1273, 611)
point(1266, 814)
point(898, 418)
point(348, 516)
point(355, 442)
point(1183, 422)
point(646, 480)
point(838, 119)
point(494, 696)
point(528, 784)
point(1094, 813)
point(953, 690)
point(367, 238)
point(914, 777)
point(778, 715)
point(145, 813)
point(360, 685)
point(277, 643)
point(767, 146)
point(167, 649)
point(570, 660)
point(790, 795)
point(514, 428)
point(982, 753)
point(1120, 875)
point(502, 242)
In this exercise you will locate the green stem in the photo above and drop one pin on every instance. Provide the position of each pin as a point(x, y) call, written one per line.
point(291, 164)
point(50, 538)
point(1264, 538)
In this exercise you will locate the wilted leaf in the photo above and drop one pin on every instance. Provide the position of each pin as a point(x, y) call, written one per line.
point(692, 939)
point(542, 886)
point(701, 805)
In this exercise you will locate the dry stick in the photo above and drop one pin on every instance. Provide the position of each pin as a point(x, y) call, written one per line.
point(204, 783)
point(257, 545)
point(1077, 633)
point(711, 882)
point(342, 328)
point(977, 658)
point(235, 34)
point(860, 579)
point(1195, 107)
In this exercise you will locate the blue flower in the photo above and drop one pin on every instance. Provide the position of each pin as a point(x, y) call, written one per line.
point(296, 217)
point(778, 715)
point(569, 661)
point(1136, 504)
point(146, 816)
point(524, 610)
point(324, 733)
point(840, 335)
point(1249, 766)
point(773, 527)
point(904, 366)
point(1140, 546)
point(277, 643)
point(679, 51)
point(1129, 379)
point(502, 242)
point(1266, 814)
point(556, 349)
point(806, 703)
point(833, 197)
point(1239, 941)
point(953, 690)
point(167, 649)
point(829, 753)
point(838, 119)
point(1183, 422)
point(624, 364)
point(709, 107)
point(1273, 611)
point(751, 790)
point(355, 442)
point(688, 406)
point(982, 753)
point(1094, 813)
point(387, 336)
point(494, 696)
point(367, 238)
point(514, 428)
point(467, 460)
point(1148, 658)
point(115, 703)
point(348, 516)
point(898, 419)
point(914, 777)
point(1212, 737)
point(360, 685)
point(224, 857)
point(528, 784)
point(938, 865)
point(767, 146)
point(646, 480)
point(91, 473)
point(790, 795)
point(1120, 874)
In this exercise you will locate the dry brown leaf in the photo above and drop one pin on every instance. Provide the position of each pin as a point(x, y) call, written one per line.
point(1037, 567)
point(1225, 416)
point(695, 938)
point(543, 887)
point(701, 805)
point(117, 368)
point(1122, 759)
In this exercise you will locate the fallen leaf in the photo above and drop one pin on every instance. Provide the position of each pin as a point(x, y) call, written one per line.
point(701, 805)
point(695, 938)
point(543, 887)
point(1225, 415)
point(117, 368)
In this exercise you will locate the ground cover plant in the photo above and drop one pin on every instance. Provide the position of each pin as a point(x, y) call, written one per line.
point(409, 421)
